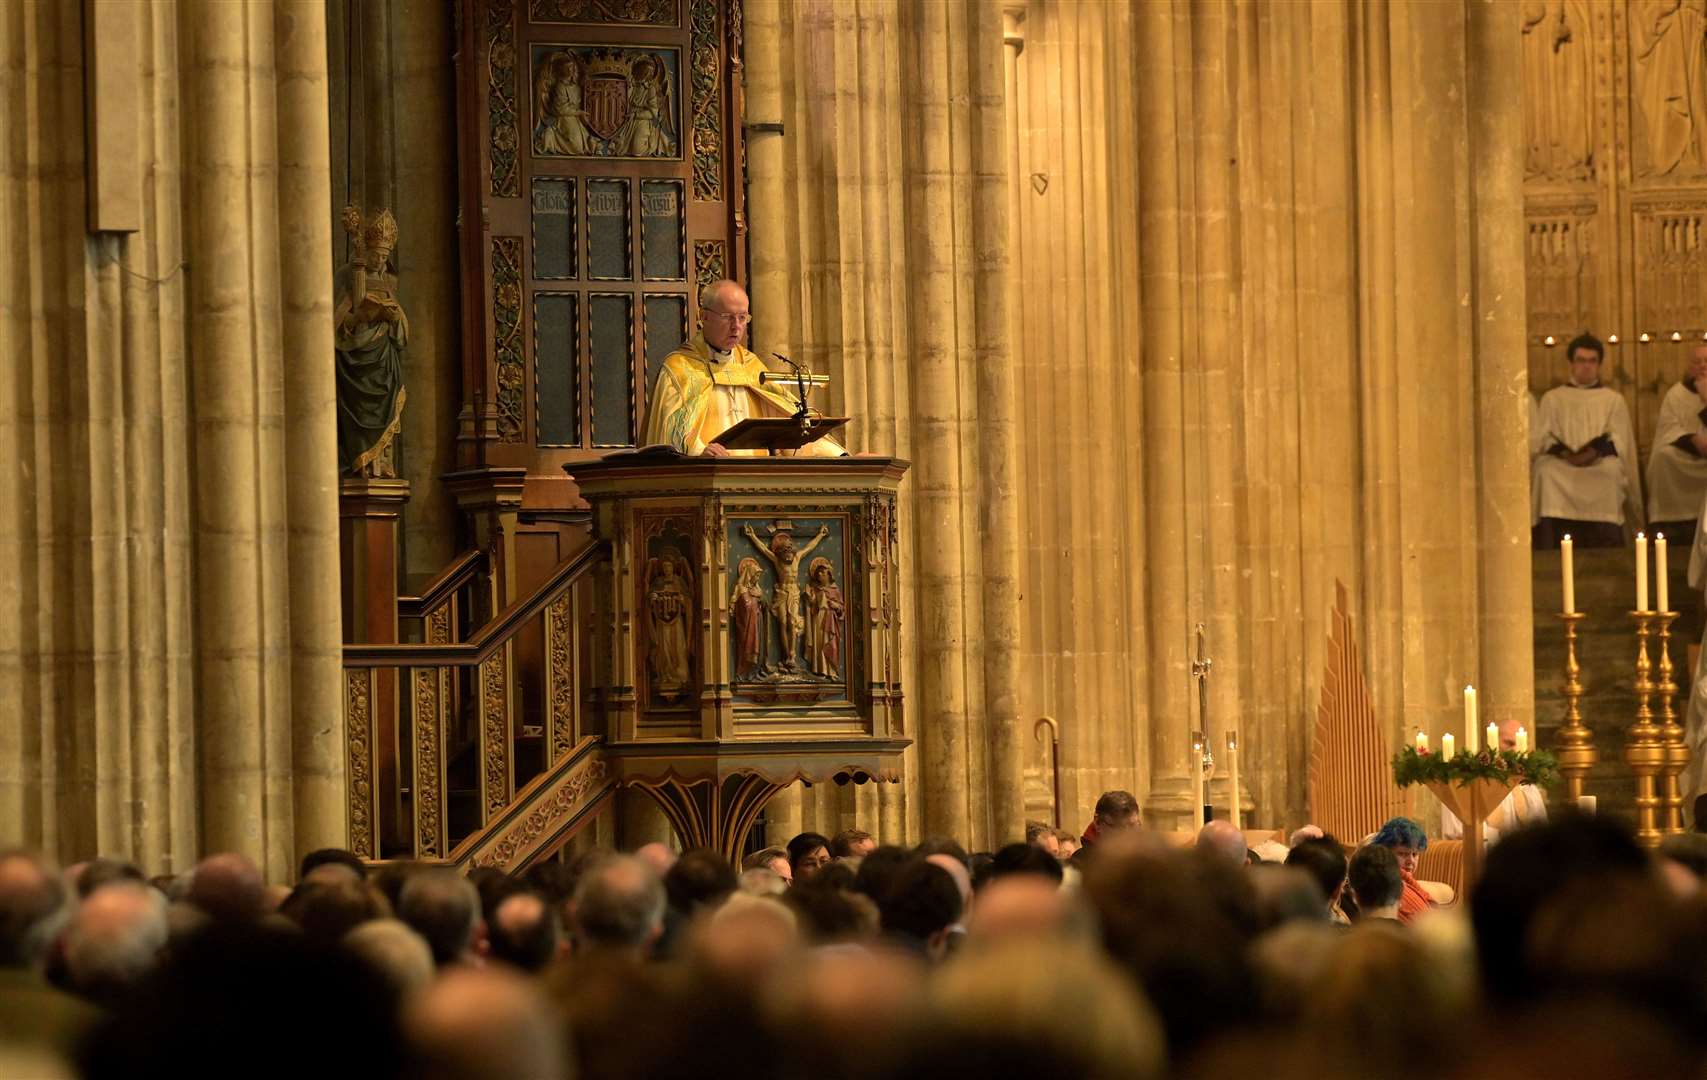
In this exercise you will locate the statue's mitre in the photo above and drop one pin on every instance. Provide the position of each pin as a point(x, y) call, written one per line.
point(375, 231)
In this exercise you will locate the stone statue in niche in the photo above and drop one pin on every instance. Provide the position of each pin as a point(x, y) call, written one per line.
point(1557, 101)
point(785, 598)
point(1669, 40)
point(369, 332)
point(605, 101)
point(668, 606)
point(825, 611)
point(748, 607)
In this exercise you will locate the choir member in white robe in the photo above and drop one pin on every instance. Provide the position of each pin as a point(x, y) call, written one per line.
point(1587, 470)
point(1537, 443)
point(1692, 782)
point(1677, 467)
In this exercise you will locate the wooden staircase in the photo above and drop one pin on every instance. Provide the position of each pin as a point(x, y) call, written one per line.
point(1606, 651)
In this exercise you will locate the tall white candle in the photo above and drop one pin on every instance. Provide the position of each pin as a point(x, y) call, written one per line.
point(1446, 745)
point(1422, 742)
point(1522, 741)
point(1567, 568)
point(1660, 583)
point(1493, 736)
point(1641, 572)
point(1233, 777)
point(1469, 719)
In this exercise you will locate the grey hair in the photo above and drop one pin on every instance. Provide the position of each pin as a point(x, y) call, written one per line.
point(109, 948)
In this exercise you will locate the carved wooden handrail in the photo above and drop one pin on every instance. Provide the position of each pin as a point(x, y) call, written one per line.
point(462, 570)
point(438, 754)
point(489, 638)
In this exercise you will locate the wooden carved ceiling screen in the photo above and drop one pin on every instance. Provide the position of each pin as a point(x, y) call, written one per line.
point(602, 179)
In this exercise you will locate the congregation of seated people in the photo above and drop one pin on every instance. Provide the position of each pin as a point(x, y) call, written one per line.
point(1584, 477)
point(1124, 952)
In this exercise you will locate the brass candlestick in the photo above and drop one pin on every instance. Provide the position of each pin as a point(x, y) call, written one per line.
point(1642, 746)
point(1675, 751)
point(1576, 752)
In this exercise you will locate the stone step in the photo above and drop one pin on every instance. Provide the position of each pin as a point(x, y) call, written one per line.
point(1606, 655)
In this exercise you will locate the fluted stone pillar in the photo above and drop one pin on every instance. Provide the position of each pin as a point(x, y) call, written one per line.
point(170, 653)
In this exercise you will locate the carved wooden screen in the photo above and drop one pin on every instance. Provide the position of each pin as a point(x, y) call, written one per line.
point(1615, 190)
point(607, 137)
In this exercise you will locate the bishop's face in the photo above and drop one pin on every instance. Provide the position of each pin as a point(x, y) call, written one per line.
point(1698, 365)
point(725, 319)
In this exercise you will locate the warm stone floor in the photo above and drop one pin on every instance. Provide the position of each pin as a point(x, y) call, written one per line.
point(1606, 651)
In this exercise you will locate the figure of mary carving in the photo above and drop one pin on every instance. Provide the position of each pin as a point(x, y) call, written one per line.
point(369, 333)
point(668, 605)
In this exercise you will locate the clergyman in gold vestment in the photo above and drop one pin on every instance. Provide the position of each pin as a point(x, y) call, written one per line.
point(712, 383)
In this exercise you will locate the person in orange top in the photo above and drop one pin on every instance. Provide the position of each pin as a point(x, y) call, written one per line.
point(1406, 840)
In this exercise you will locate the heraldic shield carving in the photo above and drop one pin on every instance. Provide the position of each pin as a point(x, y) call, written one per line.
point(601, 101)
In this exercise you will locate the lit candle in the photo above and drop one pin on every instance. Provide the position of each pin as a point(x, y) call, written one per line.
point(1588, 804)
point(1641, 572)
point(1469, 719)
point(1196, 780)
point(1422, 742)
point(1660, 583)
point(1446, 744)
point(1233, 776)
point(1522, 740)
point(1493, 736)
point(1567, 567)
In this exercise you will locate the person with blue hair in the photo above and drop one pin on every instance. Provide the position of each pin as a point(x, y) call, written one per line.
point(1405, 839)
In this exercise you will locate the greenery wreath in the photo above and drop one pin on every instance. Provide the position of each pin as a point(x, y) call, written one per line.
point(1538, 767)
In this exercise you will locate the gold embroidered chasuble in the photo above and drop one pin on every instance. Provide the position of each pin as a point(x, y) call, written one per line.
point(700, 394)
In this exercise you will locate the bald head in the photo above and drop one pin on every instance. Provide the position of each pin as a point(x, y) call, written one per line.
point(484, 1023)
point(1023, 906)
point(115, 939)
point(658, 856)
point(956, 870)
point(1221, 839)
point(228, 886)
point(33, 906)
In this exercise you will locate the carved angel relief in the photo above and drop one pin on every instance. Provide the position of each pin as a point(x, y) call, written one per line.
point(606, 102)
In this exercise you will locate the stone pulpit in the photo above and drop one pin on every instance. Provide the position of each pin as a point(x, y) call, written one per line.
point(747, 630)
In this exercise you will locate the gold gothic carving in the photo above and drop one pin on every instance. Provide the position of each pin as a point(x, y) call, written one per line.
point(548, 818)
point(605, 101)
point(501, 97)
point(560, 670)
point(606, 12)
point(507, 334)
point(1667, 39)
point(429, 781)
point(709, 263)
point(358, 713)
point(707, 79)
point(785, 595)
point(495, 732)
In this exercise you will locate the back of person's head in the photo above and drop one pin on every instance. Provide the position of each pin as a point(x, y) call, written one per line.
point(1373, 877)
point(700, 878)
point(1028, 906)
point(1181, 923)
point(554, 879)
point(331, 856)
point(943, 845)
point(228, 887)
point(115, 939)
point(619, 903)
point(444, 908)
point(484, 1025)
point(830, 913)
point(329, 911)
point(763, 858)
point(1035, 1009)
point(921, 902)
point(396, 952)
point(1024, 859)
point(850, 842)
point(34, 905)
point(1384, 997)
point(1529, 868)
point(261, 1001)
point(1688, 850)
point(1323, 859)
point(878, 869)
point(760, 881)
point(390, 876)
point(101, 871)
point(523, 932)
point(1220, 839)
point(1284, 893)
point(1117, 809)
point(1035, 831)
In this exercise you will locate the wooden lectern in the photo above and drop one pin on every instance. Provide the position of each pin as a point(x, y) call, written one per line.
point(746, 628)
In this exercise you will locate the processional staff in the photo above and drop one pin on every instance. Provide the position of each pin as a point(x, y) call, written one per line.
point(1199, 740)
